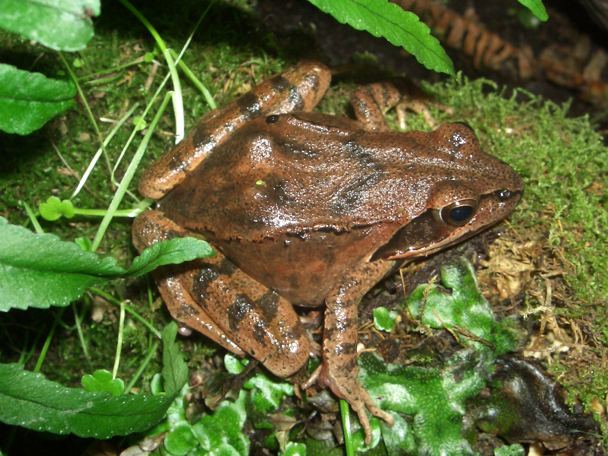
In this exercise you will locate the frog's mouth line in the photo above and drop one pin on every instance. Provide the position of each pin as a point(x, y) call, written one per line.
point(427, 233)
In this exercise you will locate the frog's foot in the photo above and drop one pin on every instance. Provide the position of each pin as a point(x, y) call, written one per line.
point(345, 385)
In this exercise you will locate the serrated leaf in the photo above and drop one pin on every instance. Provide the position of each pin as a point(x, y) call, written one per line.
point(40, 270)
point(101, 381)
point(31, 401)
point(537, 8)
point(172, 251)
point(389, 21)
point(29, 100)
point(63, 25)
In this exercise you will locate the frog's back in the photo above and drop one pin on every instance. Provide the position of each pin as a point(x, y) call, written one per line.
point(285, 174)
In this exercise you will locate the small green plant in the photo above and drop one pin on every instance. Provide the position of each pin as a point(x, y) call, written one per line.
point(99, 410)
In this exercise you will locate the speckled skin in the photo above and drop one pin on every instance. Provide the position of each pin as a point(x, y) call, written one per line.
point(310, 209)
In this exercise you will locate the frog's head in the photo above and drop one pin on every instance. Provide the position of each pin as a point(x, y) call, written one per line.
point(465, 191)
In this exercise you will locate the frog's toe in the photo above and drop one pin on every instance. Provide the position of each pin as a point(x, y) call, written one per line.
point(358, 398)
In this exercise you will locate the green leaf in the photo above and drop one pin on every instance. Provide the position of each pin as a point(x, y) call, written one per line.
point(384, 319)
point(266, 394)
point(31, 401)
point(29, 100)
point(172, 251)
point(389, 21)
point(40, 270)
point(294, 449)
point(101, 381)
point(63, 25)
point(234, 365)
point(54, 208)
point(222, 431)
point(537, 8)
point(180, 441)
point(175, 370)
point(463, 309)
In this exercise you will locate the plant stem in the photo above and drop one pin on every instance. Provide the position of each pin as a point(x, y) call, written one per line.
point(178, 107)
point(121, 328)
point(142, 367)
point(129, 173)
point(111, 299)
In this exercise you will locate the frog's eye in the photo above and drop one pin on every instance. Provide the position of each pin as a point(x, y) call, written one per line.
point(458, 213)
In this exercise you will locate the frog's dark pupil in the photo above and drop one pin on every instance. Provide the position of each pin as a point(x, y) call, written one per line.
point(272, 118)
point(504, 195)
point(461, 213)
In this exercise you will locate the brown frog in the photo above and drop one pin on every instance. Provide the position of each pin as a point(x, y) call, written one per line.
point(309, 209)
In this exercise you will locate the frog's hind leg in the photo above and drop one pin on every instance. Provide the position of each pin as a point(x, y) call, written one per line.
point(216, 298)
point(151, 227)
point(297, 89)
point(370, 102)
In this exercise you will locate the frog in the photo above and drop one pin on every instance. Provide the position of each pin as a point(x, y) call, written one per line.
point(310, 210)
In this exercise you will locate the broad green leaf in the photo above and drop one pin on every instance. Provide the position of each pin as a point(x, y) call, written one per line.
point(31, 401)
point(40, 270)
point(537, 8)
point(63, 25)
point(29, 100)
point(101, 381)
point(175, 370)
point(463, 310)
point(389, 21)
point(181, 440)
point(172, 251)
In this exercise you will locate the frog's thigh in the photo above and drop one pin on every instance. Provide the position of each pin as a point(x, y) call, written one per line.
point(297, 89)
point(370, 102)
point(246, 314)
point(340, 339)
point(152, 227)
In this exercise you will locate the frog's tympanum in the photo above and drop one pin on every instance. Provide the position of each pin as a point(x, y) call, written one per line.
point(309, 209)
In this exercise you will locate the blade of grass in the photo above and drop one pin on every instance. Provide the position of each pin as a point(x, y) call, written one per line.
point(111, 299)
point(30, 213)
point(345, 416)
point(104, 145)
point(178, 107)
point(121, 328)
point(83, 343)
point(140, 370)
point(129, 173)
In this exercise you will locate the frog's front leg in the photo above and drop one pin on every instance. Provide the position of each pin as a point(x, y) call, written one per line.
point(339, 369)
point(216, 298)
point(297, 89)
